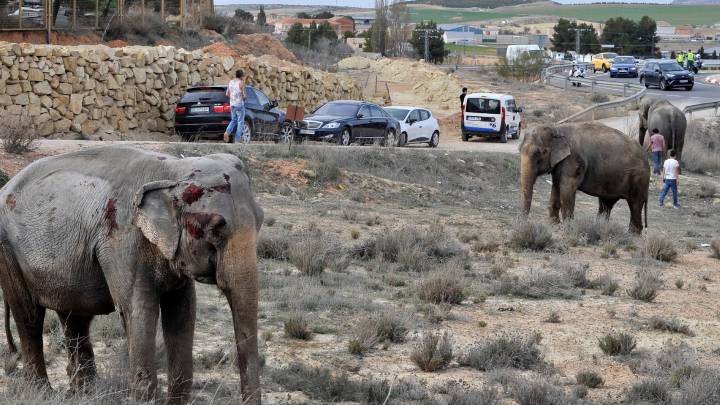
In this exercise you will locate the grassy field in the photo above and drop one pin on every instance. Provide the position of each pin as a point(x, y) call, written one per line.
point(472, 50)
point(697, 15)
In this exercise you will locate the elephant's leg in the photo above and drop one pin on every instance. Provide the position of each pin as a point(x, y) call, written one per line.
point(554, 207)
point(567, 199)
point(177, 309)
point(636, 208)
point(606, 206)
point(81, 359)
point(28, 315)
point(141, 323)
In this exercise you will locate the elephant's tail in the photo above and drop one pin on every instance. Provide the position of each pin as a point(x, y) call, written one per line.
point(8, 333)
point(645, 208)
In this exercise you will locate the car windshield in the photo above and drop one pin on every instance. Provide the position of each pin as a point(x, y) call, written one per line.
point(196, 94)
point(624, 59)
point(337, 109)
point(482, 106)
point(397, 113)
point(670, 66)
point(610, 55)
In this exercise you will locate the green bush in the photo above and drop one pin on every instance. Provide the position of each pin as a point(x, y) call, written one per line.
point(617, 344)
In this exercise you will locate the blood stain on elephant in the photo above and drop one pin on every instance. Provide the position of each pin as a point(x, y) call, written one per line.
point(195, 223)
point(11, 201)
point(225, 188)
point(192, 193)
point(110, 214)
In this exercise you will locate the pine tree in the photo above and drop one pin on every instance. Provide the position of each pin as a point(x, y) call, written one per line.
point(261, 17)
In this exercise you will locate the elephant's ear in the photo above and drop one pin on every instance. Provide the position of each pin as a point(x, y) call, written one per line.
point(156, 218)
point(560, 149)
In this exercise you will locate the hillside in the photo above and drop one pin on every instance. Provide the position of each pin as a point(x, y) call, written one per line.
point(475, 3)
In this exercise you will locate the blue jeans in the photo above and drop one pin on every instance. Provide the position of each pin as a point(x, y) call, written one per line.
point(670, 185)
point(658, 161)
point(237, 123)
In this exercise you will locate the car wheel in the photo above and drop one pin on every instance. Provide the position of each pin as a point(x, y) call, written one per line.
point(390, 138)
point(287, 133)
point(465, 137)
point(434, 139)
point(605, 69)
point(345, 137)
point(403, 139)
point(663, 85)
point(517, 133)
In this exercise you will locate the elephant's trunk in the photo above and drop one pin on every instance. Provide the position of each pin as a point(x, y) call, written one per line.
point(527, 182)
point(237, 278)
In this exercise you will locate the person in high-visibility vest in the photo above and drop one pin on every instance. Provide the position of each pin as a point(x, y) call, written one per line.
point(690, 59)
point(680, 58)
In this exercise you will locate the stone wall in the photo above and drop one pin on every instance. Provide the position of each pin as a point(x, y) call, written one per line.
point(84, 88)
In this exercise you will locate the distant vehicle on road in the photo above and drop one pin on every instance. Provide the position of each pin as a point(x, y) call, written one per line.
point(624, 66)
point(347, 121)
point(204, 112)
point(603, 61)
point(666, 74)
point(417, 125)
point(490, 115)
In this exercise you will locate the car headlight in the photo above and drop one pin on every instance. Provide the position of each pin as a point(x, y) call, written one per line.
point(691, 74)
point(613, 68)
point(670, 75)
point(632, 68)
point(331, 125)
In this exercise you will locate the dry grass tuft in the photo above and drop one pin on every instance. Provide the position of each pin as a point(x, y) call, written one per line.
point(18, 134)
point(649, 392)
point(433, 352)
point(590, 231)
point(537, 284)
point(646, 284)
point(487, 396)
point(659, 247)
point(527, 235)
point(589, 379)
point(441, 287)
point(701, 152)
point(670, 325)
point(617, 344)
point(296, 327)
point(504, 352)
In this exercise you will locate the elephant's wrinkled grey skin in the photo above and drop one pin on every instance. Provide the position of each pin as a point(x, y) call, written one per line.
point(120, 228)
point(590, 157)
point(657, 112)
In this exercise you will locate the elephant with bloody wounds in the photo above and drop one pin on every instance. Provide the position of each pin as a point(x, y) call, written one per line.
point(657, 112)
point(120, 228)
point(590, 157)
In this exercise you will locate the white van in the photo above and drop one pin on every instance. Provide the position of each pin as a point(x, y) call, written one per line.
point(487, 114)
point(514, 51)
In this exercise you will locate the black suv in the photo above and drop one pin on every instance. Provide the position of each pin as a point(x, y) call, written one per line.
point(204, 112)
point(666, 74)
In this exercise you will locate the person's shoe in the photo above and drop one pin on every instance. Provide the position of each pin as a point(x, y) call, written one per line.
point(226, 137)
point(677, 207)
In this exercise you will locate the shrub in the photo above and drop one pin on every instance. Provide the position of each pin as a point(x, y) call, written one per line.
point(554, 317)
point(276, 247)
point(504, 352)
point(679, 283)
point(525, 68)
point(391, 327)
point(715, 247)
point(706, 190)
point(658, 247)
point(441, 287)
point(18, 133)
point(646, 284)
point(362, 340)
point(530, 236)
point(141, 31)
point(616, 344)
point(653, 392)
point(576, 273)
point(700, 389)
point(318, 383)
point(434, 352)
point(536, 391)
point(589, 379)
point(270, 221)
point(296, 327)
point(608, 286)
point(4, 178)
point(228, 26)
point(584, 231)
point(327, 171)
point(670, 325)
point(598, 98)
point(212, 359)
point(701, 152)
point(487, 396)
point(538, 284)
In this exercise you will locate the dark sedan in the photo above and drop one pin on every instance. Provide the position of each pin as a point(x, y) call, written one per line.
point(666, 74)
point(204, 112)
point(345, 122)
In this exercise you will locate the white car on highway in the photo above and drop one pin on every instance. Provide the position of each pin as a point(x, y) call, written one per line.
point(417, 125)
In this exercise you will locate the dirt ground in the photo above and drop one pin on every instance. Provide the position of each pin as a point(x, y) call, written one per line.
point(346, 198)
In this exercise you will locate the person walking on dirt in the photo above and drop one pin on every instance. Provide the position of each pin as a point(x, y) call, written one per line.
point(236, 92)
point(658, 149)
point(462, 97)
point(671, 175)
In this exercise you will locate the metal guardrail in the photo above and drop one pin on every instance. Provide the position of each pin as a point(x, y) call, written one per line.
point(713, 105)
point(553, 72)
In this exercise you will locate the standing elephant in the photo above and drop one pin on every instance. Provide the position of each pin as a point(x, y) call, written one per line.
point(656, 112)
point(120, 228)
point(590, 157)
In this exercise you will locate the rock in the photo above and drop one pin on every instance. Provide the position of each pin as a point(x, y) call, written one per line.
point(65, 88)
point(35, 75)
point(76, 103)
point(63, 125)
point(5, 99)
point(13, 89)
point(21, 99)
point(46, 128)
point(42, 88)
point(140, 76)
point(88, 128)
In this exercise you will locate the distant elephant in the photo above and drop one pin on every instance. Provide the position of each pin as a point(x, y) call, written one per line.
point(120, 228)
point(657, 112)
point(590, 157)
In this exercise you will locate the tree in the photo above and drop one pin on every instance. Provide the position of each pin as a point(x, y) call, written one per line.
point(399, 31)
point(379, 28)
point(630, 37)
point(436, 43)
point(303, 15)
point(564, 40)
point(645, 36)
point(261, 17)
point(325, 30)
point(296, 35)
point(323, 15)
point(299, 35)
point(243, 15)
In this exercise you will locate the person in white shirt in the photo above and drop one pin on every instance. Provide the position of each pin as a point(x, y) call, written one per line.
point(236, 92)
point(671, 175)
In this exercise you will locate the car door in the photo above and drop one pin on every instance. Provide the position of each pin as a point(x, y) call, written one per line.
point(378, 122)
point(414, 131)
point(512, 115)
point(651, 76)
point(363, 123)
point(426, 127)
point(265, 121)
point(251, 111)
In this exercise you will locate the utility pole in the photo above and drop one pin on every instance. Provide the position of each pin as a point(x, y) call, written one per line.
point(577, 39)
point(427, 48)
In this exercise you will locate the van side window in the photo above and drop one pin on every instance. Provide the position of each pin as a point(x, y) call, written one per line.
point(482, 106)
point(511, 106)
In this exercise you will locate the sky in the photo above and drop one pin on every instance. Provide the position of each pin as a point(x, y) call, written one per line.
point(340, 3)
